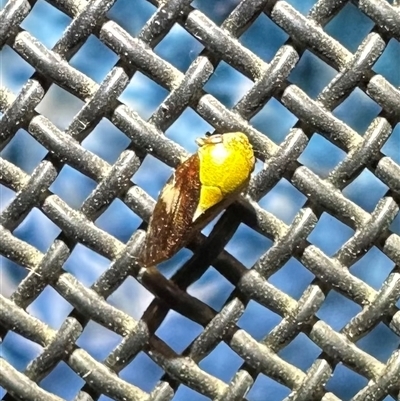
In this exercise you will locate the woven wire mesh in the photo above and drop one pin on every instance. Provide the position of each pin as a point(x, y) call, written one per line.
point(371, 229)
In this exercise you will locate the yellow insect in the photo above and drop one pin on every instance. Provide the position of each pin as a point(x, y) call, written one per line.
point(200, 188)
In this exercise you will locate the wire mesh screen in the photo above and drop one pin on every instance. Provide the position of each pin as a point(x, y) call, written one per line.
point(292, 292)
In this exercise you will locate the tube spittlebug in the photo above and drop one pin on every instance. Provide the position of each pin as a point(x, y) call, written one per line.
point(200, 188)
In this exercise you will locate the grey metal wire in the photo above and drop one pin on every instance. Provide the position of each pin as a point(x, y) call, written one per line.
point(113, 181)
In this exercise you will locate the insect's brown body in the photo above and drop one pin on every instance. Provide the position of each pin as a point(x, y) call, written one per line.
point(173, 211)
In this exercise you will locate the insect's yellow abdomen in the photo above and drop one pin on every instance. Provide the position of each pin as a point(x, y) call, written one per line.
point(226, 162)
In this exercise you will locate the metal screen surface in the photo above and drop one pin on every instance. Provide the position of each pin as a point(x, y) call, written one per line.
point(293, 293)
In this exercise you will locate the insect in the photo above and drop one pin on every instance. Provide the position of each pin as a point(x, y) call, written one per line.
point(202, 186)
